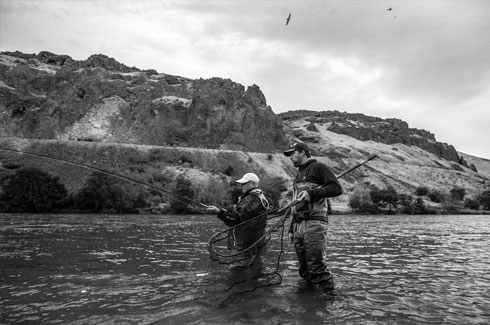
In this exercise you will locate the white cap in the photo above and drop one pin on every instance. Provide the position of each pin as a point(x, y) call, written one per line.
point(249, 177)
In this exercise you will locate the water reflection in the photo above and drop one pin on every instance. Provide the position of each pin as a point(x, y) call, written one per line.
point(145, 269)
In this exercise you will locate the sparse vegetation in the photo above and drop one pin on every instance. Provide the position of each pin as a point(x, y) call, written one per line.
point(161, 165)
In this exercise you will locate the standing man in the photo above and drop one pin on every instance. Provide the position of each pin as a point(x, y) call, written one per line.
point(251, 204)
point(308, 231)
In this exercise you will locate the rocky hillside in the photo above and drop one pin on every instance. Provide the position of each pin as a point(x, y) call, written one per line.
point(404, 167)
point(48, 96)
point(152, 126)
point(369, 128)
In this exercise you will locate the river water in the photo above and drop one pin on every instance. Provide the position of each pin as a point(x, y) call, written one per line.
point(143, 269)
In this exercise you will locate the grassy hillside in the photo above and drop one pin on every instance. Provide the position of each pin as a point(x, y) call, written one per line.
point(402, 167)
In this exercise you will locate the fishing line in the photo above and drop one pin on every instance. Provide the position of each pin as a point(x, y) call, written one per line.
point(276, 229)
point(266, 273)
point(176, 197)
point(218, 236)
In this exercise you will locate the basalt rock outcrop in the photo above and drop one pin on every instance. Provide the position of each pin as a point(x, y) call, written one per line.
point(388, 131)
point(49, 96)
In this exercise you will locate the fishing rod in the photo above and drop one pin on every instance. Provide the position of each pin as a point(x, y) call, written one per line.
point(269, 214)
point(371, 157)
point(176, 197)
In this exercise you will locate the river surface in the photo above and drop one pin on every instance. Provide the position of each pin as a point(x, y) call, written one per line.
point(144, 269)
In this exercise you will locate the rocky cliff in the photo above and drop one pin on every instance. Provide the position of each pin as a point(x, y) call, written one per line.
point(152, 126)
point(49, 96)
point(368, 128)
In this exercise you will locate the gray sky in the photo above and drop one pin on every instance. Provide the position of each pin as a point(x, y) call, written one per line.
point(426, 62)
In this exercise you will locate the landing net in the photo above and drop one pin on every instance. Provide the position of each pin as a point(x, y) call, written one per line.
point(234, 274)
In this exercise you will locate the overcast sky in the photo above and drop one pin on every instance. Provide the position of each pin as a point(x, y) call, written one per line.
point(426, 62)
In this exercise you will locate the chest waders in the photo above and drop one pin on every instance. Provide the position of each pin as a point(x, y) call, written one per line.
point(315, 209)
point(310, 225)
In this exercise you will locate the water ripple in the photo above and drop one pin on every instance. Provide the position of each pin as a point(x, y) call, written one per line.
point(109, 269)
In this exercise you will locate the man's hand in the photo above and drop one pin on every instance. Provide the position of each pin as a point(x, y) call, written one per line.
point(212, 209)
point(303, 196)
point(291, 237)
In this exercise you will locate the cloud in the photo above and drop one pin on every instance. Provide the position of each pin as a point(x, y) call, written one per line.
point(428, 66)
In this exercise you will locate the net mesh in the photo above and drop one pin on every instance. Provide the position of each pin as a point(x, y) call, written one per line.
point(236, 273)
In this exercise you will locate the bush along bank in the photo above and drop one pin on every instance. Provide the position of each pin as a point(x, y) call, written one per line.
point(373, 200)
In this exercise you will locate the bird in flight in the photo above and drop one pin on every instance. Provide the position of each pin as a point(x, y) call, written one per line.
point(389, 9)
point(287, 19)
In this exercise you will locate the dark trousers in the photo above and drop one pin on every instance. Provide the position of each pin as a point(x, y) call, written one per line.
point(310, 242)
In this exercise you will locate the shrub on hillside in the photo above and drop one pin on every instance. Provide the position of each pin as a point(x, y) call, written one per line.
point(360, 201)
point(485, 200)
point(273, 188)
point(228, 171)
point(421, 190)
point(32, 190)
point(407, 203)
point(458, 193)
point(214, 193)
point(473, 204)
point(158, 178)
point(184, 159)
point(435, 196)
point(156, 155)
point(182, 187)
point(384, 198)
point(420, 208)
point(103, 193)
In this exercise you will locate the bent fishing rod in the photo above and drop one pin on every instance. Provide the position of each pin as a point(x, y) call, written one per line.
point(371, 157)
point(342, 174)
point(278, 211)
point(176, 197)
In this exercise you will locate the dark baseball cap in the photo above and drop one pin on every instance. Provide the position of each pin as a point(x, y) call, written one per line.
point(298, 146)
